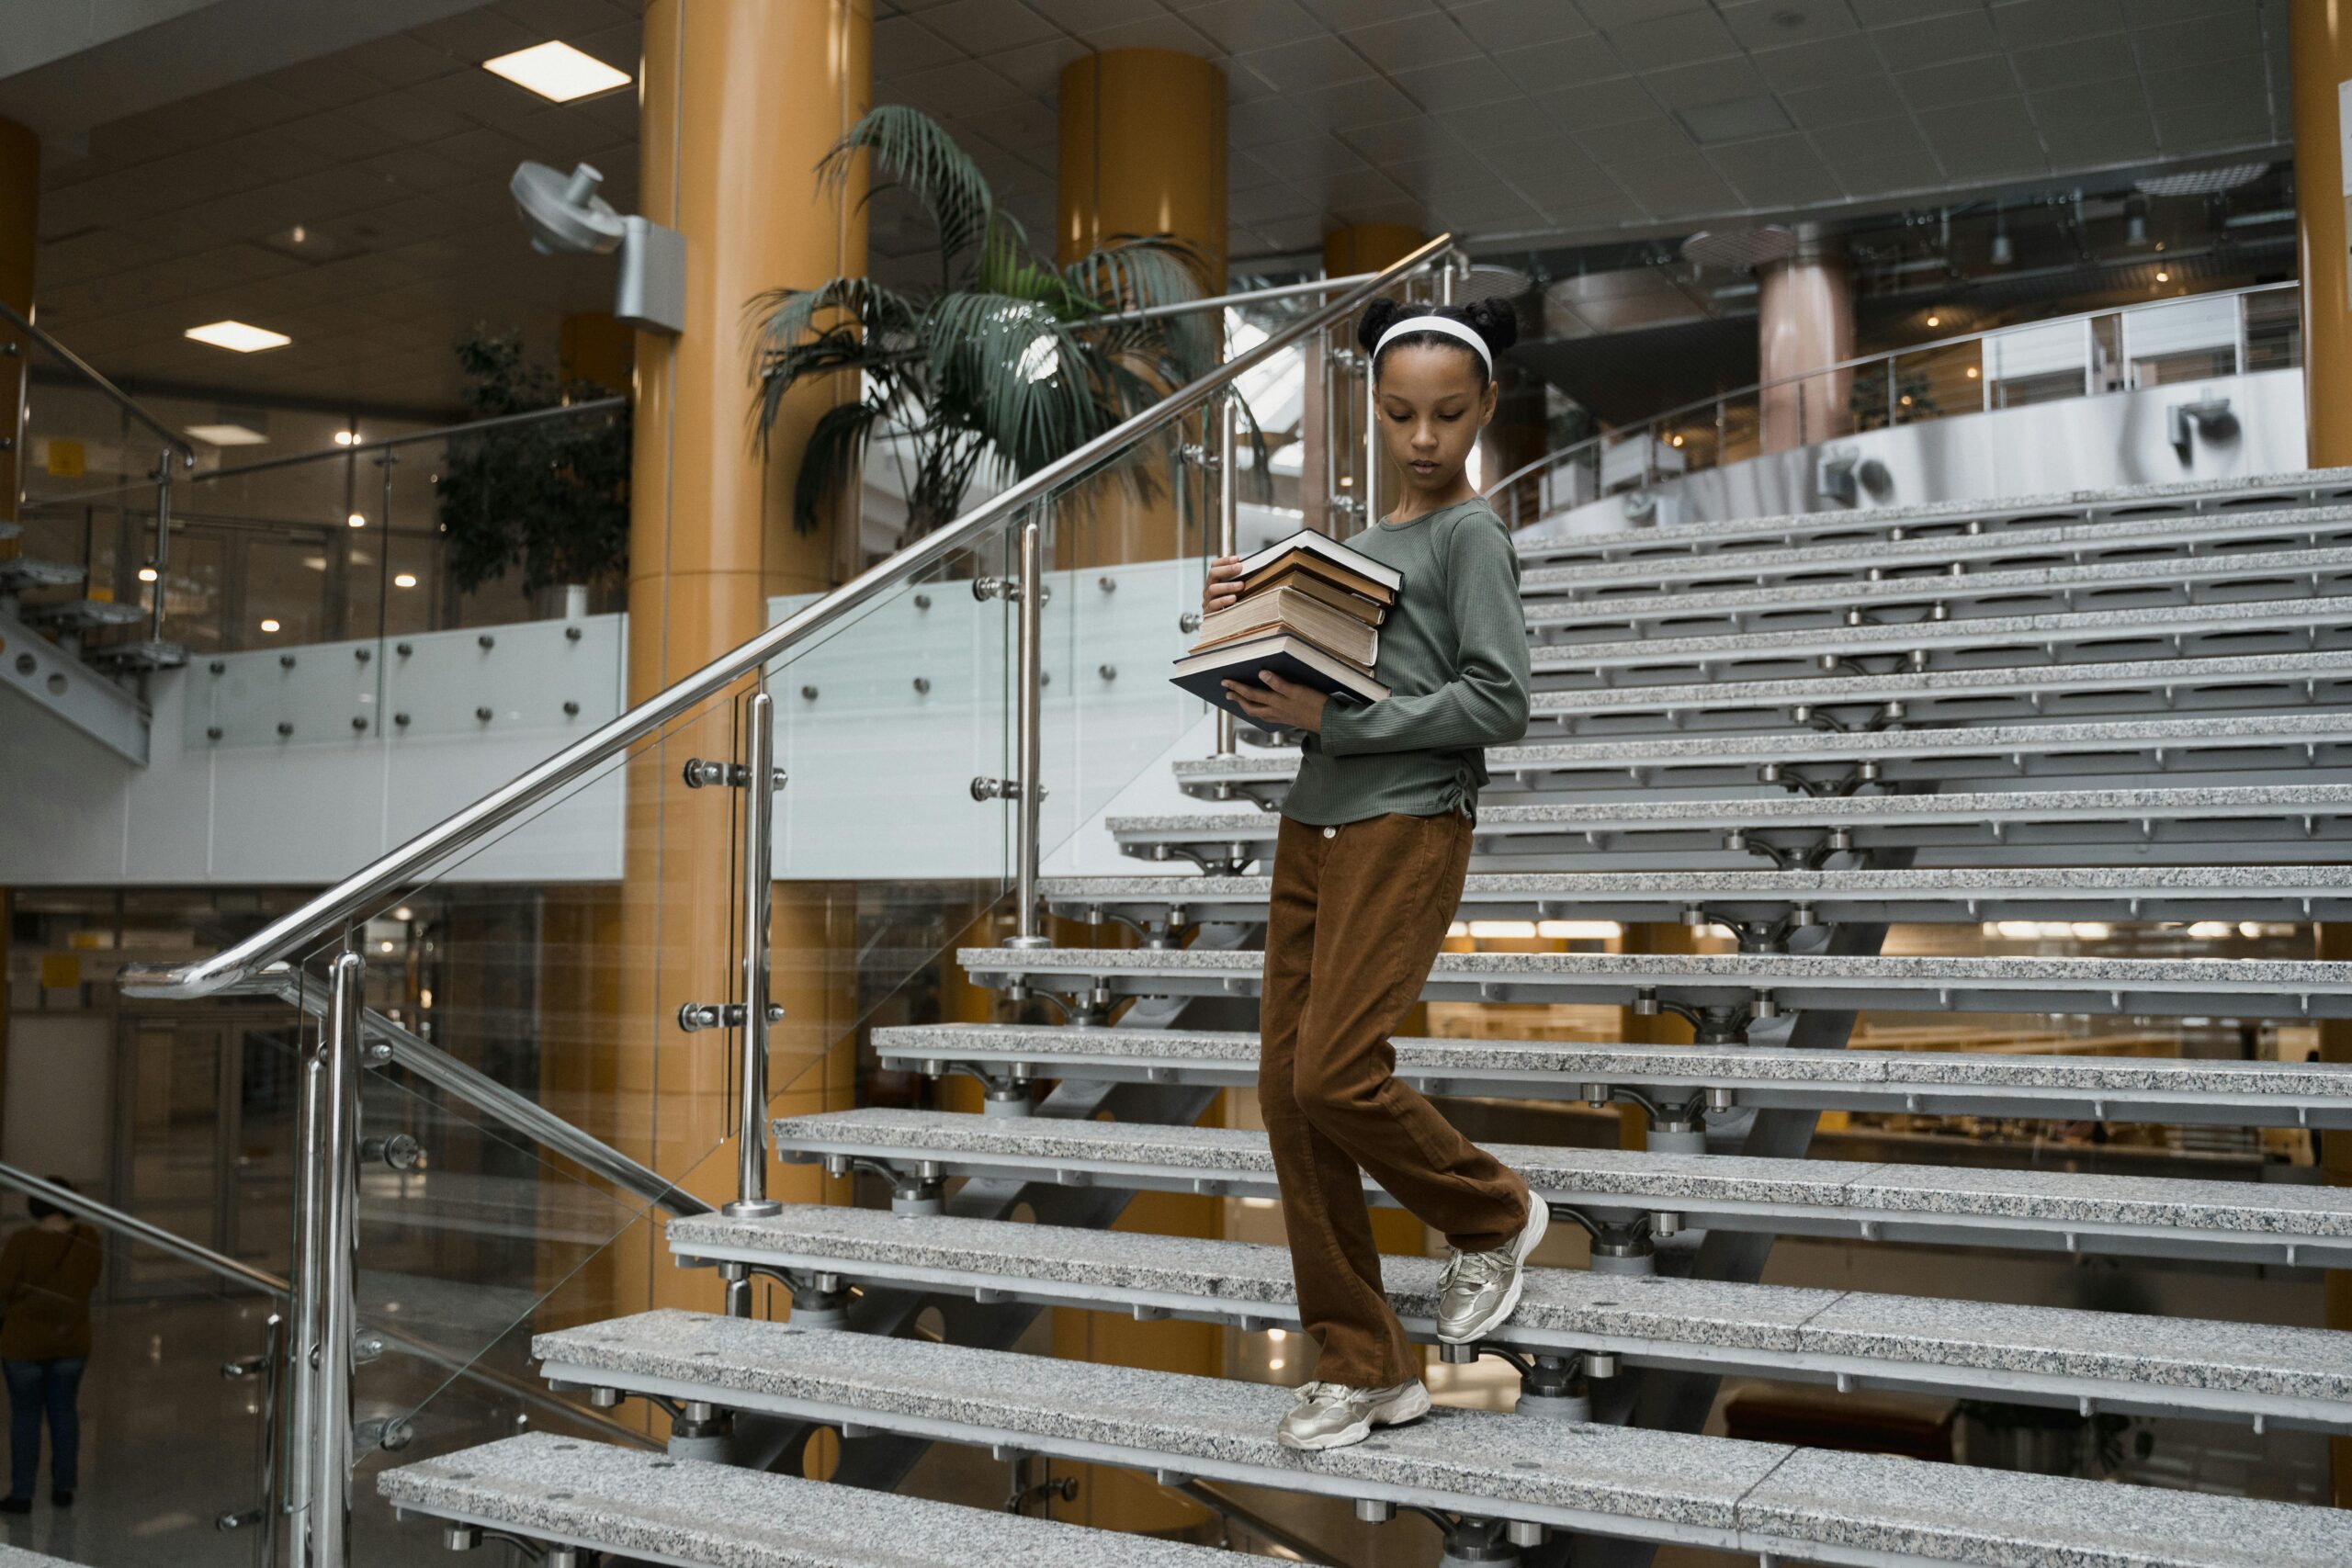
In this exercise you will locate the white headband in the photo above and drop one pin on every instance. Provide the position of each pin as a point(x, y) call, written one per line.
point(1445, 324)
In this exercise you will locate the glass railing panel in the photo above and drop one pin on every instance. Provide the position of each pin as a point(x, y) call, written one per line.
point(2273, 325)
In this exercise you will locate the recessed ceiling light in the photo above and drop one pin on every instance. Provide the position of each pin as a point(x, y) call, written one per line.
point(238, 337)
point(556, 70)
point(146, 574)
point(358, 520)
point(227, 434)
point(269, 625)
point(346, 438)
point(404, 580)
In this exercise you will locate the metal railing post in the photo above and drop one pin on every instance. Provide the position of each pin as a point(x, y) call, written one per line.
point(163, 556)
point(1030, 931)
point(1228, 529)
point(302, 1300)
point(759, 816)
point(1368, 493)
point(333, 1260)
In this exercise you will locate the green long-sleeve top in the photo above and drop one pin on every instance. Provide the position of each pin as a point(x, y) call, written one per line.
point(1453, 654)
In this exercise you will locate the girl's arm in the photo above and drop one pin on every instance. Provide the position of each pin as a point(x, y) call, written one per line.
point(1486, 703)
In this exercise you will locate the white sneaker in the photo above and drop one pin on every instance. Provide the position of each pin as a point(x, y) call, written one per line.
point(1478, 1290)
point(1333, 1415)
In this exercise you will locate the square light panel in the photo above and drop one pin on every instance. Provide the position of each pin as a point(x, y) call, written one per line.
point(556, 72)
point(228, 435)
point(238, 336)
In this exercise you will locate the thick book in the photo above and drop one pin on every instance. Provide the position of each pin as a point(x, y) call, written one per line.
point(1292, 610)
point(1292, 658)
point(1300, 578)
point(1311, 552)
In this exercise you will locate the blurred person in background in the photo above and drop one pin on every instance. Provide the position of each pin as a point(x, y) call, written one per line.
point(47, 1273)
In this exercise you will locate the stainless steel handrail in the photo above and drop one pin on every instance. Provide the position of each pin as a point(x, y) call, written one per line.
point(1552, 460)
point(112, 1219)
point(84, 369)
point(510, 1109)
point(331, 453)
point(403, 867)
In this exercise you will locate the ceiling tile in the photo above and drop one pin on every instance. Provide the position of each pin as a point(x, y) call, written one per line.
point(1890, 174)
point(1306, 66)
point(1338, 14)
point(902, 44)
point(1418, 138)
point(1240, 26)
point(1629, 140)
point(1036, 68)
point(1411, 42)
point(1770, 24)
point(985, 27)
point(1610, 13)
point(1458, 81)
point(1820, 108)
point(1828, 63)
point(2084, 144)
point(1779, 171)
point(1734, 119)
point(1676, 39)
point(407, 116)
point(2027, 24)
point(1351, 104)
point(2194, 43)
point(1936, 41)
point(1502, 25)
point(2186, 130)
point(1561, 62)
point(1711, 82)
point(1599, 103)
point(2243, 78)
point(1894, 13)
point(1162, 31)
point(1503, 123)
point(2057, 65)
point(1268, 123)
point(1873, 142)
point(400, 60)
point(1961, 82)
point(2155, 13)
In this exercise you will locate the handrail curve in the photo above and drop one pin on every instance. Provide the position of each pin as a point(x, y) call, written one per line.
point(411, 861)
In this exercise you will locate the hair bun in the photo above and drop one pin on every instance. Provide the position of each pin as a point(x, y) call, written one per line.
point(1377, 318)
point(1494, 320)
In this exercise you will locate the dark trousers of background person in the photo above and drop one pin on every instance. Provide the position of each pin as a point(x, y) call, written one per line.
point(37, 1389)
point(1358, 915)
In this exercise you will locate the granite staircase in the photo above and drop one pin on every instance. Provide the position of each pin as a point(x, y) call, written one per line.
point(2126, 707)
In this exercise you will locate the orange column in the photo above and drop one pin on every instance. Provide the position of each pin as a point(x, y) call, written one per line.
point(19, 228)
point(738, 104)
point(1804, 319)
point(1142, 152)
point(2320, 64)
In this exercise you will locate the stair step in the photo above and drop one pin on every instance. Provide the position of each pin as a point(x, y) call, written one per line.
point(2040, 1210)
point(2171, 987)
point(2044, 1355)
point(2242, 822)
point(2319, 743)
point(1924, 894)
point(1735, 555)
point(1757, 1498)
point(2212, 503)
point(1934, 1083)
point(570, 1492)
point(83, 615)
point(20, 573)
point(2240, 629)
point(2244, 685)
point(2042, 590)
point(16, 1556)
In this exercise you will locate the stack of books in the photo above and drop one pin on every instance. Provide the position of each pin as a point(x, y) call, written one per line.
point(1310, 611)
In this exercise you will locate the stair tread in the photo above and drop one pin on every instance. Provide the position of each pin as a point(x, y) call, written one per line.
point(2178, 880)
point(624, 1500)
point(1969, 806)
point(1574, 1306)
point(1731, 1494)
point(16, 1556)
point(1726, 1065)
point(1627, 1180)
point(2232, 616)
point(1808, 745)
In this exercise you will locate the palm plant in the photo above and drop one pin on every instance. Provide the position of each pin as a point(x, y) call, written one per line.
point(1007, 365)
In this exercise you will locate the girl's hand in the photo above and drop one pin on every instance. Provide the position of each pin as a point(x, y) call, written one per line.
point(1278, 703)
point(1223, 585)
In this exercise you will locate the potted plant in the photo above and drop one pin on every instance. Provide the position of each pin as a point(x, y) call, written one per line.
point(549, 497)
point(1007, 363)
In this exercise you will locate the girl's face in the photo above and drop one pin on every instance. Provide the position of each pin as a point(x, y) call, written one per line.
point(1432, 408)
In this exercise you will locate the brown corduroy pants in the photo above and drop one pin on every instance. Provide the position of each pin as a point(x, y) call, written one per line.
point(1359, 915)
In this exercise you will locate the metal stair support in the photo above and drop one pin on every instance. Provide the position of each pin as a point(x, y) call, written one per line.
point(2306, 1227)
point(52, 680)
point(2043, 1355)
point(1768, 1500)
point(2167, 1090)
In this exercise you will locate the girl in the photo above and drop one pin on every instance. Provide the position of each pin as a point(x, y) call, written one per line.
point(1368, 870)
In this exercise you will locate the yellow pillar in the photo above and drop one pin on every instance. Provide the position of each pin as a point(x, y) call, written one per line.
point(738, 104)
point(1142, 152)
point(19, 226)
point(2319, 62)
point(1367, 247)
